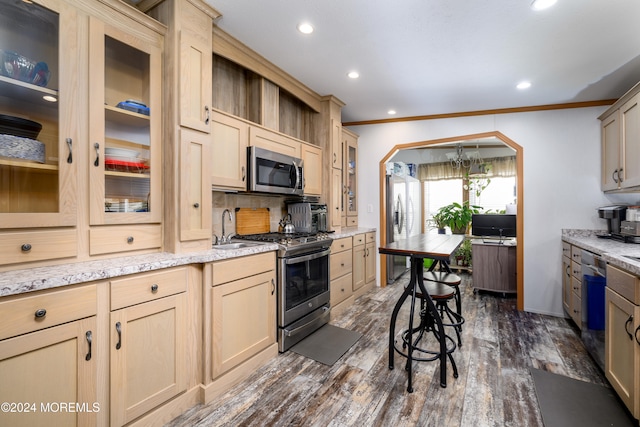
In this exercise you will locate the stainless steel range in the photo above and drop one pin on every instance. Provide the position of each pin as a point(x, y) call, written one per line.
point(303, 283)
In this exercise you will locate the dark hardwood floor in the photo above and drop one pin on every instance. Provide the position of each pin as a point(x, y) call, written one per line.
point(494, 387)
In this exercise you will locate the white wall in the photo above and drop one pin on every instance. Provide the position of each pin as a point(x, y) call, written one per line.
point(561, 182)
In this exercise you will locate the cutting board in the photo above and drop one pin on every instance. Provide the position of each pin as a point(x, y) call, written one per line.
point(252, 220)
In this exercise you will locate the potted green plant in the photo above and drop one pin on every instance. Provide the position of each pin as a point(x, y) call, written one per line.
point(458, 216)
point(440, 222)
point(463, 253)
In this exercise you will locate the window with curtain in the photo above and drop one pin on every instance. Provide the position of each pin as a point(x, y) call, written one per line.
point(444, 184)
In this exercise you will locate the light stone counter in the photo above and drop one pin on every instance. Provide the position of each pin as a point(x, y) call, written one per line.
point(34, 279)
point(612, 251)
point(39, 278)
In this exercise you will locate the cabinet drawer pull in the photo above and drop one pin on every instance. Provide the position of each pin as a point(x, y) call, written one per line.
point(130, 239)
point(273, 287)
point(97, 161)
point(636, 334)
point(206, 115)
point(88, 336)
point(619, 175)
point(69, 144)
point(119, 331)
point(154, 288)
point(25, 247)
point(196, 205)
point(244, 175)
point(39, 314)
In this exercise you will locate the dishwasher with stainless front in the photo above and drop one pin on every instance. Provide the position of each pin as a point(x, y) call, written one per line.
point(594, 281)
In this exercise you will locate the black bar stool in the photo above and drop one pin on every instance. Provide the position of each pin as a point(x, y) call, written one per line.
point(409, 342)
point(446, 277)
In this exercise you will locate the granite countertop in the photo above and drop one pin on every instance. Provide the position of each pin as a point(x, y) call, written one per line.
point(47, 277)
point(612, 251)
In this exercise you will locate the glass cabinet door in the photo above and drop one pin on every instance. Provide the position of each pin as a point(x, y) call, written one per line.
point(352, 187)
point(124, 114)
point(38, 130)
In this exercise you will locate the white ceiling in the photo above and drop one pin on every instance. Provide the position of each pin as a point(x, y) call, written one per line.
point(424, 57)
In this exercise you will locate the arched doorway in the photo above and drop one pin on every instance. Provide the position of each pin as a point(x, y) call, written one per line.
point(519, 189)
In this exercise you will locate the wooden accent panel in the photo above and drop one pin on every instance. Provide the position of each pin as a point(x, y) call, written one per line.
point(17, 315)
point(264, 138)
point(51, 244)
point(238, 268)
point(106, 240)
point(140, 288)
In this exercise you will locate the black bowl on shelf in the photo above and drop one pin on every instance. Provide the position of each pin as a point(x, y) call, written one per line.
point(17, 126)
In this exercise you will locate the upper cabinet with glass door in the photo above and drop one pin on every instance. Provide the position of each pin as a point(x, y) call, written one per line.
point(124, 125)
point(38, 127)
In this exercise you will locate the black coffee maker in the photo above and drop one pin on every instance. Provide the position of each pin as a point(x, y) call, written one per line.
point(614, 215)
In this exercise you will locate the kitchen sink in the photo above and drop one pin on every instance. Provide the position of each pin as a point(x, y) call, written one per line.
point(235, 245)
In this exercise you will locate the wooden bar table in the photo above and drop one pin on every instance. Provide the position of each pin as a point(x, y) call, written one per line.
point(438, 247)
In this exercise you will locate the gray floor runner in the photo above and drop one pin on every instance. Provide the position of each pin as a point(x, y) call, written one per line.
point(568, 402)
point(327, 344)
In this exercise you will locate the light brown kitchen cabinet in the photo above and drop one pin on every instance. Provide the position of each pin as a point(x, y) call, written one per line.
point(229, 152)
point(196, 73)
point(243, 310)
point(335, 208)
point(337, 144)
point(349, 173)
point(622, 337)
point(620, 134)
point(312, 157)
point(341, 270)
point(370, 258)
point(148, 328)
point(48, 355)
point(273, 141)
point(125, 162)
point(359, 261)
point(40, 190)
point(195, 194)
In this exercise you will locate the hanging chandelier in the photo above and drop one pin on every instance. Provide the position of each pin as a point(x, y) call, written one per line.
point(457, 160)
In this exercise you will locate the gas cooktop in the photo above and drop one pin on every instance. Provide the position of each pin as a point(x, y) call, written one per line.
point(298, 242)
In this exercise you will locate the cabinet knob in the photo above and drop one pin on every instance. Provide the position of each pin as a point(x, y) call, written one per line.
point(196, 205)
point(39, 314)
point(130, 239)
point(25, 247)
point(154, 288)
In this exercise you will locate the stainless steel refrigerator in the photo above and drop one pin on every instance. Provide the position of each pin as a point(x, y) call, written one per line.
point(404, 214)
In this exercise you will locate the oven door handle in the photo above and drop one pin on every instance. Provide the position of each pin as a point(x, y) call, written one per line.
point(316, 255)
point(291, 332)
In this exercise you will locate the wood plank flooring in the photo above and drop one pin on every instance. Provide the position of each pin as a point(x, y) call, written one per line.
point(494, 387)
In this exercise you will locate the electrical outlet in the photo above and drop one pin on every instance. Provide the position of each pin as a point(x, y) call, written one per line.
point(370, 208)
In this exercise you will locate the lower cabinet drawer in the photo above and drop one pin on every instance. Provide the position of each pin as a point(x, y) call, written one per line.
point(238, 268)
point(371, 237)
point(358, 239)
point(340, 289)
point(352, 221)
point(108, 239)
point(341, 263)
point(147, 287)
point(341, 244)
point(37, 246)
point(45, 309)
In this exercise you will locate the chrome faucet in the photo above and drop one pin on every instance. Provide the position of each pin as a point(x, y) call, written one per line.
point(225, 238)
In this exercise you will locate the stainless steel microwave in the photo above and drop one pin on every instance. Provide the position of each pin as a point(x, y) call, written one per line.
point(271, 172)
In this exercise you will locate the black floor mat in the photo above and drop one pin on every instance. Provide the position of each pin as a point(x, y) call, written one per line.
point(566, 402)
point(327, 344)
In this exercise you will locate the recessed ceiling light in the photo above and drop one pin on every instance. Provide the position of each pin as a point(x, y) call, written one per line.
point(542, 4)
point(353, 75)
point(391, 112)
point(305, 28)
point(524, 85)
